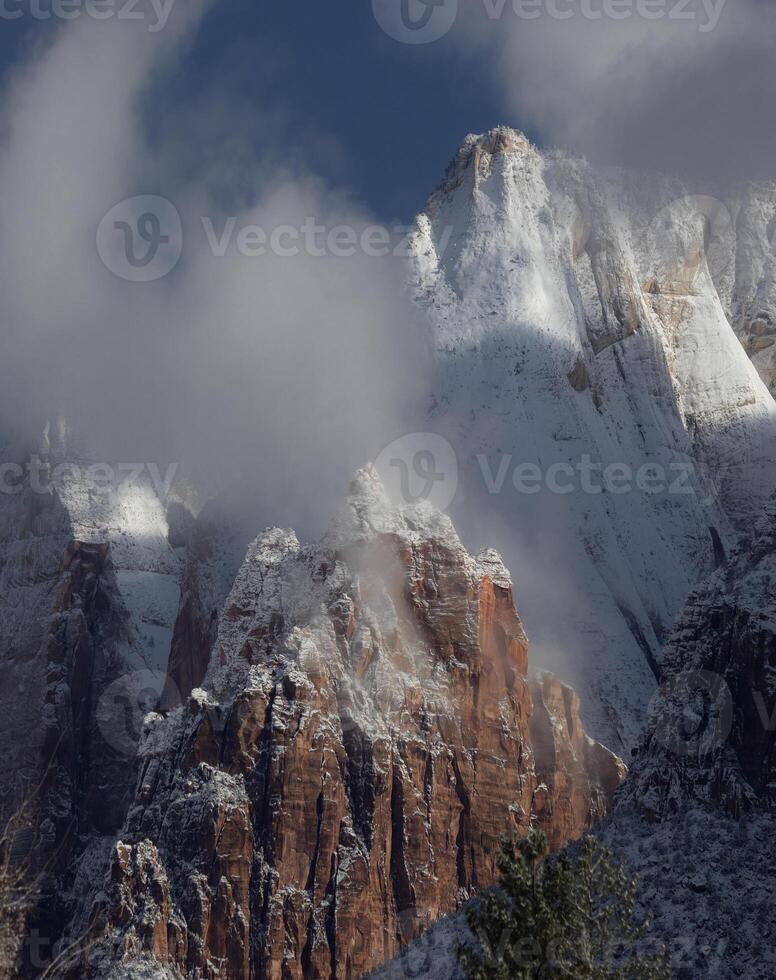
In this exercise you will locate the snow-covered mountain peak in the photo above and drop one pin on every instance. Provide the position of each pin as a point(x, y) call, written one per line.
point(580, 319)
point(478, 153)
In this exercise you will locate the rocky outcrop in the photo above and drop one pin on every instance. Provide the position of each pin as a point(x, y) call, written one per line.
point(364, 736)
point(711, 736)
point(214, 549)
point(578, 776)
point(86, 781)
point(88, 588)
point(55, 520)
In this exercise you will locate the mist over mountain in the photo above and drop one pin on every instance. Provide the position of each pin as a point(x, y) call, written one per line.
point(333, 545)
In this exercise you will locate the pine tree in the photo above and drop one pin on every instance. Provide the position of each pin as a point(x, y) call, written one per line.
point(559, 918)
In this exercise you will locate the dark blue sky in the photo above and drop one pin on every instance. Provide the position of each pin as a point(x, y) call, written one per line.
point(398, 112)
point(317, 86)
point(367, 112)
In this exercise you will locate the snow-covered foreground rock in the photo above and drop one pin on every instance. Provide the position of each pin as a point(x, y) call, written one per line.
point(583, 321)
point(365, 732)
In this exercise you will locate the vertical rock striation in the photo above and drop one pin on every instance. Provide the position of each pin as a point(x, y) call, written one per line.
point(364, 736)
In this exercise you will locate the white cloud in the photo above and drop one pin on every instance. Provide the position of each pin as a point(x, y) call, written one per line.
point(293, 370)
point(689, 91)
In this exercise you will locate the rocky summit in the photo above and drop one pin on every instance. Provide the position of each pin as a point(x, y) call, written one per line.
point(366, 731)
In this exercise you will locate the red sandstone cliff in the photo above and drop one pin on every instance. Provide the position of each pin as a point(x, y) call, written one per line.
point(366, 732)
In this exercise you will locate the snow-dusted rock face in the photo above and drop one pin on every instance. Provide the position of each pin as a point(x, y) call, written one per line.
point(577, 321)
point(711, 736)
point(215, 546)
point(88, 597)
point(362, 739)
